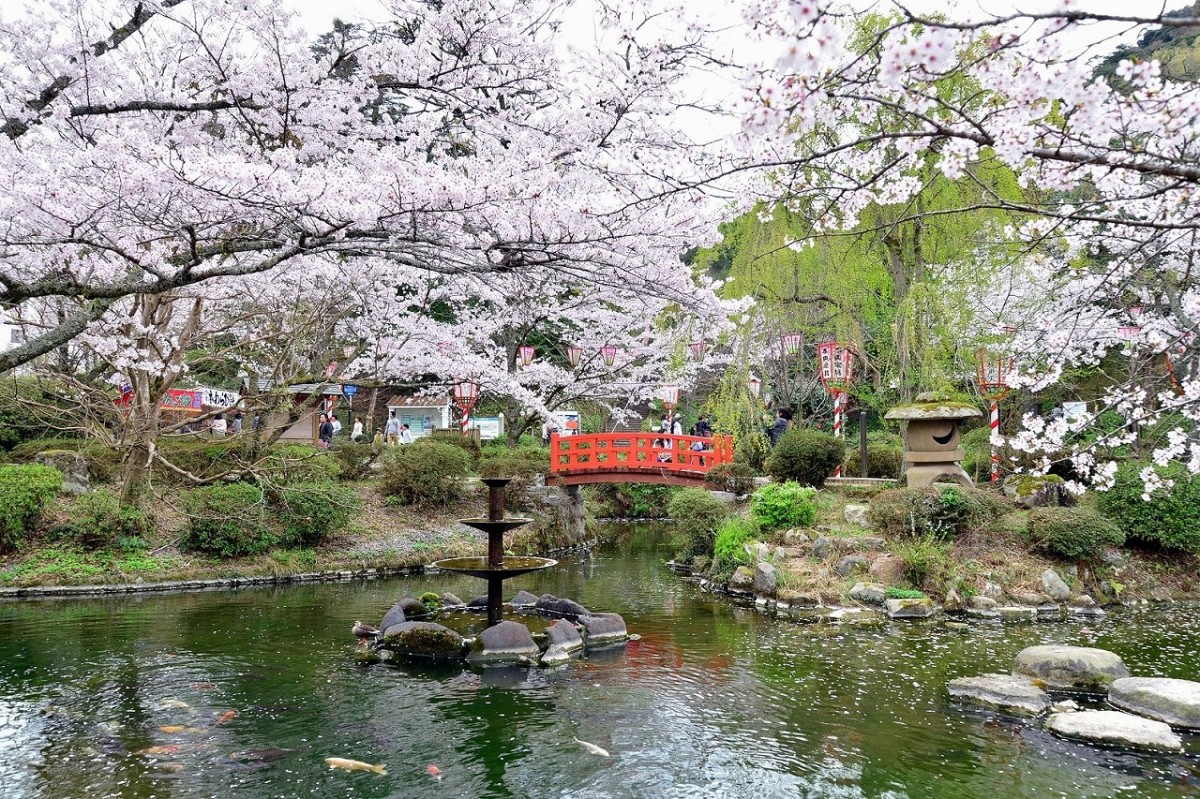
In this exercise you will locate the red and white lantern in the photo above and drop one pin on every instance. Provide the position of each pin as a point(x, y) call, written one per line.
point(608, 353)
point(466, 394)
point(793, 343)
point(574, 355)
point(993, 370)
point(698, 348)
point(526, 353)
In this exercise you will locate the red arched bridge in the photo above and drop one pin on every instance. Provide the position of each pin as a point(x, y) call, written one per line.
point(636, 458)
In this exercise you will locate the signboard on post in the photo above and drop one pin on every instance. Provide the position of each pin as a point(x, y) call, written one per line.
point(489, 427)
point(567, 422)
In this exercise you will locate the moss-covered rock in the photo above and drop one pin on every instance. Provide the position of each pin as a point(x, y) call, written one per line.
point(423, 639)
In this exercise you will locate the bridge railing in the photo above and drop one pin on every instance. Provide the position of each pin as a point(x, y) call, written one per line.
point(656, 453)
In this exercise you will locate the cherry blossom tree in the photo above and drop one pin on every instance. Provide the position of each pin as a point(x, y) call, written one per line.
point(846, 120)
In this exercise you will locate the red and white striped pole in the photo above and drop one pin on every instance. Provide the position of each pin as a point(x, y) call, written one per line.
point(995, 426)
point(466, 419)
point(838, 400)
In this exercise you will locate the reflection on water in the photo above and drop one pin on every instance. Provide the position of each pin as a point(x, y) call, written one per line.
point(245, 693)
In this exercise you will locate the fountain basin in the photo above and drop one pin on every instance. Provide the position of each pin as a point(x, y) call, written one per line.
point(477, 566)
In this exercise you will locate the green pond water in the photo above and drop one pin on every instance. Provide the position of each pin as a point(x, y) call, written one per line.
point(713, 701)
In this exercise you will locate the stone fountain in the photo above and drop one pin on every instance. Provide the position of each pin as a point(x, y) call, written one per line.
point(494, 567)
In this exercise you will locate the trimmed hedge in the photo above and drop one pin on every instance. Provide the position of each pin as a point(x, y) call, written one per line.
point(311, 511)
point(24, 492)
point(355, 458)
point(1171, 519)
point(697, 515)
point(427, 472)
point(941, 511)
point(227, 520)
point(781, 505)
point(805, 456)
point(1072, 532)
point(885, 456)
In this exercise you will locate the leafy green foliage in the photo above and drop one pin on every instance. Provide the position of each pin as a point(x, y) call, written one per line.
point(355, 458)
point(736, 478)
point(780, 505)
point(1072, 532)
point(311, 511)
point(903, 593)
point(805, 456)
point(1171, 519)
point(729, 547)
point(885, 456)
point(941, 511)
point(752, 450)
point(227, 520)
point(631, 500)
point(101, 521)
point(299, 463)
point(429, 472)
point(24, 492)
point(926, 561)
point(697, 515)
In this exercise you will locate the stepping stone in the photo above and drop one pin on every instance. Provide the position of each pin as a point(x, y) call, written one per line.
point(603, 628)
point(1003, 692)
point(1070, 668)
point(1115, 728)
point(910, 608)
point(1176, 702)
point(506, 642)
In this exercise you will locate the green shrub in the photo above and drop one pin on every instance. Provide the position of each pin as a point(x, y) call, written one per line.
point(697, 515)
point(943, 511)
point(311, 511)
point(926, 561)
point(523, 470)
point(752, 449)
point(736, 478)
point(104, 462)
point(1072, 532)
point(227, 520)
point(1171, 519)
point(780, 505)
point(885, 456)
point(202, 458)
point(453, 438)
point(631, 500)
point(355, 458)
point(428, 472)
point(729, 547)
point(27, 450)
point(100, 521)
point(24, 492)
point(805, 456)
point(903, 593)
point(290, 464)
point(977, 448)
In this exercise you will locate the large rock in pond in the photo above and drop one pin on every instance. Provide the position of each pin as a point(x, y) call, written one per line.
point(766, 579)
point(1003, 692)
point(523, 599)
point(1070, 668)
point(393, 617)
point(424, 640)
point(555, 606)
point(1176, 702)
point(742, 580)
point(564, 639)
point(921, 608)
point(449, 600)
point(600, 629)
point(868, 593)
point(413, 608)
point(1115, 728)
point(1054, 586)
point(506, 642)
point(73, 467)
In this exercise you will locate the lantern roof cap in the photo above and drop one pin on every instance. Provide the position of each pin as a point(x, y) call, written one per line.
point(933, 405)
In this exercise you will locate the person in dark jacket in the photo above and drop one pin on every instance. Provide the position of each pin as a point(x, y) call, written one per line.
point(325, 432)
point(783, 420)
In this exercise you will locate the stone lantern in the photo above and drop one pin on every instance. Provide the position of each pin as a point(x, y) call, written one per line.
point(931, 434)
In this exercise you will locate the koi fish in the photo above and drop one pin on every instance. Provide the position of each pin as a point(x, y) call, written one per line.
point(169, 749)
point(595, 750)
point(434, 772)
point(224, 717)
point(356, 765)
point(172, 728)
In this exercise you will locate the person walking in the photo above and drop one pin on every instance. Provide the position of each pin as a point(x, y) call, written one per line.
point(405, 435)
point(325, 432)
point(391, 431)
point(337, 425)
point(219, 426)
point(356, 432)
point(235, 426)
point(783, 420)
